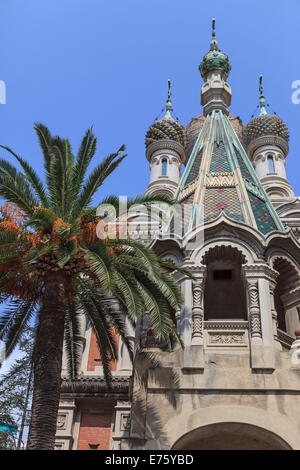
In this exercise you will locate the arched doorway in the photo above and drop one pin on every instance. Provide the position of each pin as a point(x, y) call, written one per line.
point(230, 436)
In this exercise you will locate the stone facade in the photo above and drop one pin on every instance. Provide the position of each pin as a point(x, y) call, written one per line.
point(236, 383)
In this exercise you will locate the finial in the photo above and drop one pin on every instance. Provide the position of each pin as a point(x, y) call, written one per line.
point(214, 42)
point(262, 101)
point(168, 102)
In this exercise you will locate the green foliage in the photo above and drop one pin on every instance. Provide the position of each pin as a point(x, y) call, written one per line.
point(95, 271)
point(14, 385)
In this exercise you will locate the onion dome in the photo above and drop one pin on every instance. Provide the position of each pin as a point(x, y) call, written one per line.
point(265, 124)
point(214, 59)
point(166, 128)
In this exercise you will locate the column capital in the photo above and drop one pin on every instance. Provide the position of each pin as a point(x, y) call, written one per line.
point(262, 270)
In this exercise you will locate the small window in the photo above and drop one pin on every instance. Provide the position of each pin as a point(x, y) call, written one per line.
point(164, 163)
point(222, 275)
point(271, 164)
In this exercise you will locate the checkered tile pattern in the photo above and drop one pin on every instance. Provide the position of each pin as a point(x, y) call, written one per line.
point(222, 199)
point(219, 160)
point(263, 218)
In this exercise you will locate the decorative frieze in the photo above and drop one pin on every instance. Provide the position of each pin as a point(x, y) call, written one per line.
point(226, 338)
point(226, 333)
point(187, 190)
point(219, 180)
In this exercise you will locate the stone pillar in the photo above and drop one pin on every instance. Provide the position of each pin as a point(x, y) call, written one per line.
point(254, 312)
point(190, 319)
point(261, 315)
point(184, 319)
point(64, 426)
point(274, 316)
point(291, 304)
point(295, 350)
point(122, 424)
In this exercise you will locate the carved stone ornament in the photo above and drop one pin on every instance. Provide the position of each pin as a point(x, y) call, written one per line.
point(61, 421)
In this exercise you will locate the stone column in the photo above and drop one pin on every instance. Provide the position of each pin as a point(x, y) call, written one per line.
point(291, 304)
point(261, 315)
point(254, 312)
point(197, 311)
point(64, 426)
point(184, 317)
point(274, 316)
point(122, 424)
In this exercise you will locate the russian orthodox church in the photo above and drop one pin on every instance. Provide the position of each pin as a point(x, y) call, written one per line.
point(236, 383)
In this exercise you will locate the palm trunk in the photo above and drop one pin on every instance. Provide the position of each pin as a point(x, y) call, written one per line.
point(47, 365)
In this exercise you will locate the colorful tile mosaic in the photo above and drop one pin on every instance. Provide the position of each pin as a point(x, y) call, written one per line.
point(244, 170)
point(264, 220)
point(194, 171)
point(165, 129)
point(222, 199)
point(219, 160)
point(183, 219)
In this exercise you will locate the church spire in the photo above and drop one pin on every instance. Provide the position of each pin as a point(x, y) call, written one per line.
point(168, 102)
point(262, 101)
point(214, 42)
point(214, 69)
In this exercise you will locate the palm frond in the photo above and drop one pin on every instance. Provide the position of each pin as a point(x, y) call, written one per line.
point(18, 190)
point(99, 263)
point(31, 176)
point(13, 320)
point(72, 345)
point(85, 154)
point(95, 180)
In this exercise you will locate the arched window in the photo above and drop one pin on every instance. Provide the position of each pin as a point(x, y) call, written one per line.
point(271, 164)
point(164, 164)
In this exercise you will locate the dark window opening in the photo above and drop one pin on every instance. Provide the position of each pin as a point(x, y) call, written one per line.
point(222, 275)
point(225, 292)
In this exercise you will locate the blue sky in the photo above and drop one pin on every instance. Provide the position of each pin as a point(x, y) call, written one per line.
point(73, 63)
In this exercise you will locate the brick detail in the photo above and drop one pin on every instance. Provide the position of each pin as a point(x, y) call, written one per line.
point(95, 430)
point(94, 354)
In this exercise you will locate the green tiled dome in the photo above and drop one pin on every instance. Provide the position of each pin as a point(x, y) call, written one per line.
point(265, 124)
point(215, 60)
point(165, 129)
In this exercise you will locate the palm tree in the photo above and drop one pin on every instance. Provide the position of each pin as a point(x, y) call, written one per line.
point(54, 267)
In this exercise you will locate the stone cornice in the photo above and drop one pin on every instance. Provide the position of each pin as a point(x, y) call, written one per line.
point(96, 385)
point(165, 144)
point(267, 140)
point(260, 270)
